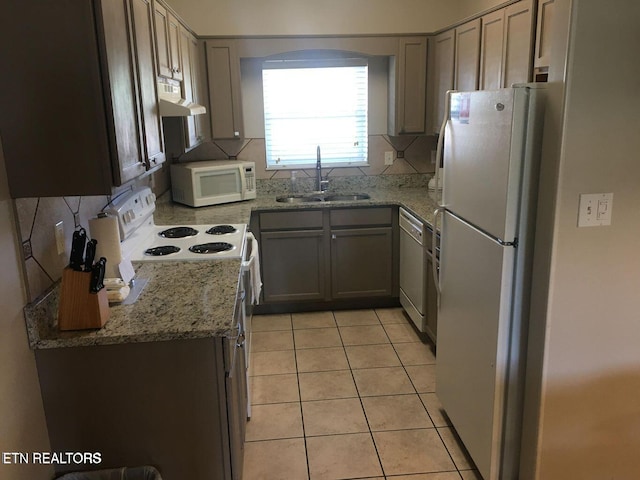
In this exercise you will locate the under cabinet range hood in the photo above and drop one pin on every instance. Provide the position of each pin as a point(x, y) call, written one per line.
point(173, 105)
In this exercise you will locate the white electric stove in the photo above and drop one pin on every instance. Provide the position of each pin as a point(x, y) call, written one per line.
point(144, 241)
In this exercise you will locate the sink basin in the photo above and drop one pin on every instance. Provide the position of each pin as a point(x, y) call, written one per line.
point(337, 197)
point(350, 197)
point(298, 198)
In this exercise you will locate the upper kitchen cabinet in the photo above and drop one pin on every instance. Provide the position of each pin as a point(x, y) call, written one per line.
point(506, 45)
point(79, 110)
point(543, 41)
point(492, 43)
point(150, 121)
point(183, 133)
point(467, 56)
point(441, 67)
point(225, 102)
point(192, 88)
point(407, 87)
point(168, 52)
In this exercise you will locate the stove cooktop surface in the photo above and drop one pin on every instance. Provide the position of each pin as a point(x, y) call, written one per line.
point(188, 242)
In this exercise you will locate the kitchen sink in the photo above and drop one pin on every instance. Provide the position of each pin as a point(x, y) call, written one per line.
point(342, 197)
point(299, 198)
point(349, 197)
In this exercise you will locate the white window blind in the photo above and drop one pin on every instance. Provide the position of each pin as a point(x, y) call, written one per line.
point(315, 103)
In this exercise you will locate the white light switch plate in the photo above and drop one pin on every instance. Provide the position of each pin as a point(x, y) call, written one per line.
point(388, 158)
point(595, 209)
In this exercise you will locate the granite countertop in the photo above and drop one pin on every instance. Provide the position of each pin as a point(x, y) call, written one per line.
point(416, 199)
point(185, 300)
point(181, 300)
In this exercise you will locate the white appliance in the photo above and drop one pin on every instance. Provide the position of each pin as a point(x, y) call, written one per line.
point(491, 156)
point(144, 241)
point(413, 285)
point(173, 105)
point(198, 184)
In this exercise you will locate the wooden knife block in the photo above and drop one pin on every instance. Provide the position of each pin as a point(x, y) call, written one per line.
point(79, 308)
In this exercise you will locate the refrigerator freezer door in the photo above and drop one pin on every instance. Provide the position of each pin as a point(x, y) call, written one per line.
point(483, 153)
point(473, 336)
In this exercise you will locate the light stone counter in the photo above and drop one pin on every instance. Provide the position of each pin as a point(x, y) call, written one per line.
point(408, 191)
point(182, 300)
point(186, 300)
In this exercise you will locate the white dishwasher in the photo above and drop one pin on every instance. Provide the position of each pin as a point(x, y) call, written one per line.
point(412, 268)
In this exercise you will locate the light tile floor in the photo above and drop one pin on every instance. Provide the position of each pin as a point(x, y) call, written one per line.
point(347, 395)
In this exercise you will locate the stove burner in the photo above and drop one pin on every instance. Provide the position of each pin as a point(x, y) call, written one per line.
point(160, 251)
point(222, 229)
point(178, 232)
point(213, 247)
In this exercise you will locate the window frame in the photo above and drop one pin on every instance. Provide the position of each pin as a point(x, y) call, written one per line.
point(321, 62)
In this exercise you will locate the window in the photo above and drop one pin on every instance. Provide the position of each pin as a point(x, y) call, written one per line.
point(315, 103)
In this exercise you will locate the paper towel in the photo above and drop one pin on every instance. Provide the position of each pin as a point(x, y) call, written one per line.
point(105, 231)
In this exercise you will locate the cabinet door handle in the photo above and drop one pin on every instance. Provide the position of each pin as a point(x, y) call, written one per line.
point(333, 236)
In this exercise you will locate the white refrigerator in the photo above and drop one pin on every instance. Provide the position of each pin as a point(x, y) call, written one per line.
point(491, 157)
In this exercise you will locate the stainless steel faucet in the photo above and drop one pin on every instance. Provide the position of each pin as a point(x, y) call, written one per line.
point(321, 185)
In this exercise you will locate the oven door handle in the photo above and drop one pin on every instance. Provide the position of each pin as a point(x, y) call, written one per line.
point(247, 264)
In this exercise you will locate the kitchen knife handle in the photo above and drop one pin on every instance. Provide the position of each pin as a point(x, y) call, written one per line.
point(97, 276)
point(90, 254)
point(76, 258)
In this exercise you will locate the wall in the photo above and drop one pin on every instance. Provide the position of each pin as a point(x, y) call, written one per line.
point(310, 17)
point(589, 420)
point(22, 423)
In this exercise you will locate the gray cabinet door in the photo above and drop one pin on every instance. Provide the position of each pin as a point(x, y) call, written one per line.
point(441, 68)
point(236, 387)
point(467, 58)
point(223, 72)
point(407, 116)
point(293, 265)
point(151, 124)
point(361, 262)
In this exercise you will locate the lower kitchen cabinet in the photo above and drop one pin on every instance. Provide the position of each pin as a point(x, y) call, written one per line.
point(178, 405)
point(324, 256)
point(293, 263)
point(361, 262)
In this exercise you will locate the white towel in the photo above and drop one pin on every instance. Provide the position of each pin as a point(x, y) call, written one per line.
point(253, 264)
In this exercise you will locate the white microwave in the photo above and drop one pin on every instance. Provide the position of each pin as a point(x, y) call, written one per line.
point(212, 182)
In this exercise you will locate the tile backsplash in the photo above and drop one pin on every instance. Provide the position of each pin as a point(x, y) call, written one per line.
point(411, 155)
point(37, 217)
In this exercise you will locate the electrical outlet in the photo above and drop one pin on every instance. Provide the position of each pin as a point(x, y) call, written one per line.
point(388, 158)
point(59, 234)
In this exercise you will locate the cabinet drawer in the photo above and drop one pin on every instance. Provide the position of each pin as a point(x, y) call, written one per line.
point(354, 217)
point(291, 220)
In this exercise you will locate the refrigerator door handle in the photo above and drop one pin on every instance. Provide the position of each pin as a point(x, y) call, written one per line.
point(440, 144)
point(499, 241)
point(434, 244)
